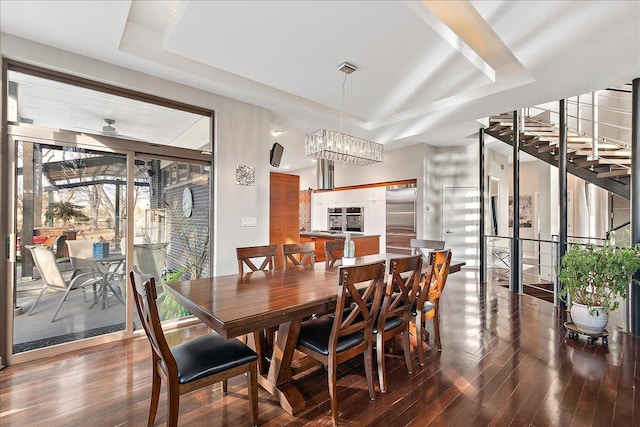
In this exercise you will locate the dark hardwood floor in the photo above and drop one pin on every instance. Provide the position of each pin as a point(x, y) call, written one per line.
point(505, 361)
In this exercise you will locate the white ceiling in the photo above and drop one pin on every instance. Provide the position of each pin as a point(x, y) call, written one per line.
point(427, 71)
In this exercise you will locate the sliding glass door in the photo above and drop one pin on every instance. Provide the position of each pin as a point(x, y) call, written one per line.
point(99, 178)
point(171, 238)
point(70, 217)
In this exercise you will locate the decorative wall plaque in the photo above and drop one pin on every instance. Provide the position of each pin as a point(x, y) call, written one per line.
point(245, 175)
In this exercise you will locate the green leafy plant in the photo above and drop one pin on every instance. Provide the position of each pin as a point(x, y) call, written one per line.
point(169, 307)
point(598, 276)
point(65, 211)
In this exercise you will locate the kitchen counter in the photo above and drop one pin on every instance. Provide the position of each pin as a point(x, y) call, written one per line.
point(335, 235)
point(366, 244)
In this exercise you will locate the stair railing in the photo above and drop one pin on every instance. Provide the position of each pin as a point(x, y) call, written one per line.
point(593, 115)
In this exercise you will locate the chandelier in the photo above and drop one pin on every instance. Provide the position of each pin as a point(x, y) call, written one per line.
point(333, 145)
point(338, 146)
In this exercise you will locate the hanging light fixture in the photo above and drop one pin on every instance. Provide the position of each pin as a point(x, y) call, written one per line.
point(338, 146)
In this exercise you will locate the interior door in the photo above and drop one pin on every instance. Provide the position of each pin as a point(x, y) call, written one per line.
point(461, 223)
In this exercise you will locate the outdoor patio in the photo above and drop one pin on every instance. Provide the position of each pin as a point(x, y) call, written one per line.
point(76, 320)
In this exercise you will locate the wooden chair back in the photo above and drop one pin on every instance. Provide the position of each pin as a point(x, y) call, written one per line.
point(190, 365)
point(247, 256)
point(436, 277)
point(400, 294)
point(299, 254)
point(145, 295)
point(425, 247)
point(333, 250)
point(431, 290)
point(360, 289)
point(402, 288)
point(363, 302)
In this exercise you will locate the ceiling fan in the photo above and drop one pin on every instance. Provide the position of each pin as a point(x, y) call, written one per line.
point(109, 129)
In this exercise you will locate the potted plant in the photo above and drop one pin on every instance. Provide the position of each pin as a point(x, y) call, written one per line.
point(595, 279)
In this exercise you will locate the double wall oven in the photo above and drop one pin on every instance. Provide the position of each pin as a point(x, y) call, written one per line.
point(346, 219)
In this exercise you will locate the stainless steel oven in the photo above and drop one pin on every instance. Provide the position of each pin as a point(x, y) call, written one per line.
point(346, 219)
point(335, 220)
point(354, 219)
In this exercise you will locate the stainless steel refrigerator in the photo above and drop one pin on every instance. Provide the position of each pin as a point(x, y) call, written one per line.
point(401, 218)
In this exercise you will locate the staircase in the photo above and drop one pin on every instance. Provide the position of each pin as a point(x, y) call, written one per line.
point(610, 168)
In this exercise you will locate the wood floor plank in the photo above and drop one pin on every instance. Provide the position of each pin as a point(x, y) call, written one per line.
point(506, 360)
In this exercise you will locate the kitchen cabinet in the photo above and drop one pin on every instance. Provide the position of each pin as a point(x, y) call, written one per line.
point(365, 244)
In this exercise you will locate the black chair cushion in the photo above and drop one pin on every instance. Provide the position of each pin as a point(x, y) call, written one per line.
point(427, 307)
point(315, 335)
point(209, 354)
point(391, 323)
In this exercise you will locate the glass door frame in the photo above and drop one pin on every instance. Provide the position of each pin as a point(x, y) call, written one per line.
point(132, 149)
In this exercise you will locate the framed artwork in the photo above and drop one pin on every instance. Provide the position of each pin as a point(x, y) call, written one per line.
point(245, 175)
point(526, 212)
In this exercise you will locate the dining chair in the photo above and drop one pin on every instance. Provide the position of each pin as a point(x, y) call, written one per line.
point(333, 250)
point(393, 318)
point(425, 247)
point(53, 279)
point(299, 254)
point(334, 339)
point(191, 365)
point(427, 305)
point(263, 339)
point(247, 255)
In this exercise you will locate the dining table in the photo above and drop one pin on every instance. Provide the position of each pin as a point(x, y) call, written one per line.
point(235, 305)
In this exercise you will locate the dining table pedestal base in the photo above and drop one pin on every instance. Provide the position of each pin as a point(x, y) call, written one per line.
point(278, 379)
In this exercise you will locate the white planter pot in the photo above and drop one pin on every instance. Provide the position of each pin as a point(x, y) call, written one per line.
point(589, 323)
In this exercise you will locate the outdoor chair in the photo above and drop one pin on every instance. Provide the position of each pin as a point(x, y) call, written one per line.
point(150, 258)
point(80, 256)
point(52, 278)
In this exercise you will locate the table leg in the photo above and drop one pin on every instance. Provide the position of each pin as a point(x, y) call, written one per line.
point(278, 379)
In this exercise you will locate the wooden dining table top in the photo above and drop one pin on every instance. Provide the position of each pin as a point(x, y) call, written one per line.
point(234, 305)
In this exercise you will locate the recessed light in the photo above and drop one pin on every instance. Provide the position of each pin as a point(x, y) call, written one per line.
point(276, 132)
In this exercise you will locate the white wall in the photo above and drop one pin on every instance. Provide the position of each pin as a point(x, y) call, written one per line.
point(449, 167)
point(242, 138)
